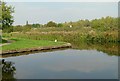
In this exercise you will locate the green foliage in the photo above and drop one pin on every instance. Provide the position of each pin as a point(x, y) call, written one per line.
point(36, 25)
point(27, 28)
point(60, 25)
point(2, 40)
point(102, 41)
point(97, 30)
point(102, 24)
point(8, 30)
point(8, 70)
point(105, 23)
point(17, 28)
point(72, 35)
point(6, 18)
point(51, 24)
point(20, 28)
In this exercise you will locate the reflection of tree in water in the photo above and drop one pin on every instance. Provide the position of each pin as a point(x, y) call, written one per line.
point(108, 48)
point(8, 70)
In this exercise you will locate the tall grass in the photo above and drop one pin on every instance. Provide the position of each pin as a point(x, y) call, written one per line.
point(72, 35)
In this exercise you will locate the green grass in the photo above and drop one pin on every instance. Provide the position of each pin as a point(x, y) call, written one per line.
point(28, 43)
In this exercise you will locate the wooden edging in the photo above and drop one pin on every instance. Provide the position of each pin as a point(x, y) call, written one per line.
point(67, 45)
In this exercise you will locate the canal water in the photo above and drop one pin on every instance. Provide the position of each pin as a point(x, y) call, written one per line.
point(63, 64)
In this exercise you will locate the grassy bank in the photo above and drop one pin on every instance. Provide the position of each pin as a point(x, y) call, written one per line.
point(77, 36)
point(28, 43)
point(72, 35)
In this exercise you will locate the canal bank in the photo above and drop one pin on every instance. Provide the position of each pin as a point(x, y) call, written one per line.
point(67, 45)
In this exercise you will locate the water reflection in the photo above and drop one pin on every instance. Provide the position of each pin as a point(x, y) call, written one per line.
point(8, 70)
point(66, 64)
point(83, 61)
point(108, 48)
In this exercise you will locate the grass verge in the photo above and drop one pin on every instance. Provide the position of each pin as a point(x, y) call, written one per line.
point(19, 44)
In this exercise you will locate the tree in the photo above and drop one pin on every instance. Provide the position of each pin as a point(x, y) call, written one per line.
point(37, 25)
point(6, 17)
point(8, 70)
point(51, 24)
point(60, 25)
point(87, 23)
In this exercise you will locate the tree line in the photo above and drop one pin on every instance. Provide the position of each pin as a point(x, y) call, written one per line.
point(103, 23)
point(6, 21)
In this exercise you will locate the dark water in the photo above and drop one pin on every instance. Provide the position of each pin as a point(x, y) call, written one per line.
point(64, 64)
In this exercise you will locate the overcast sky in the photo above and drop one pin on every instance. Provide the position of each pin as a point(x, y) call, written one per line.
point(42, 12)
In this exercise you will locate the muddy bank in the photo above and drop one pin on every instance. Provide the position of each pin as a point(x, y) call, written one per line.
point(67, 45)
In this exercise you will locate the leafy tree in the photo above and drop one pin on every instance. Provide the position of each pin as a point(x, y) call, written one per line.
point(6, 17)
point(87, 23)
point(36, 25)
point(8, 70)
point(51, 24)
point(60, 25)
point(105, 23)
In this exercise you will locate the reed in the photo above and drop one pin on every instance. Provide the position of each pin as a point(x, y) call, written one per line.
point(72, 35)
